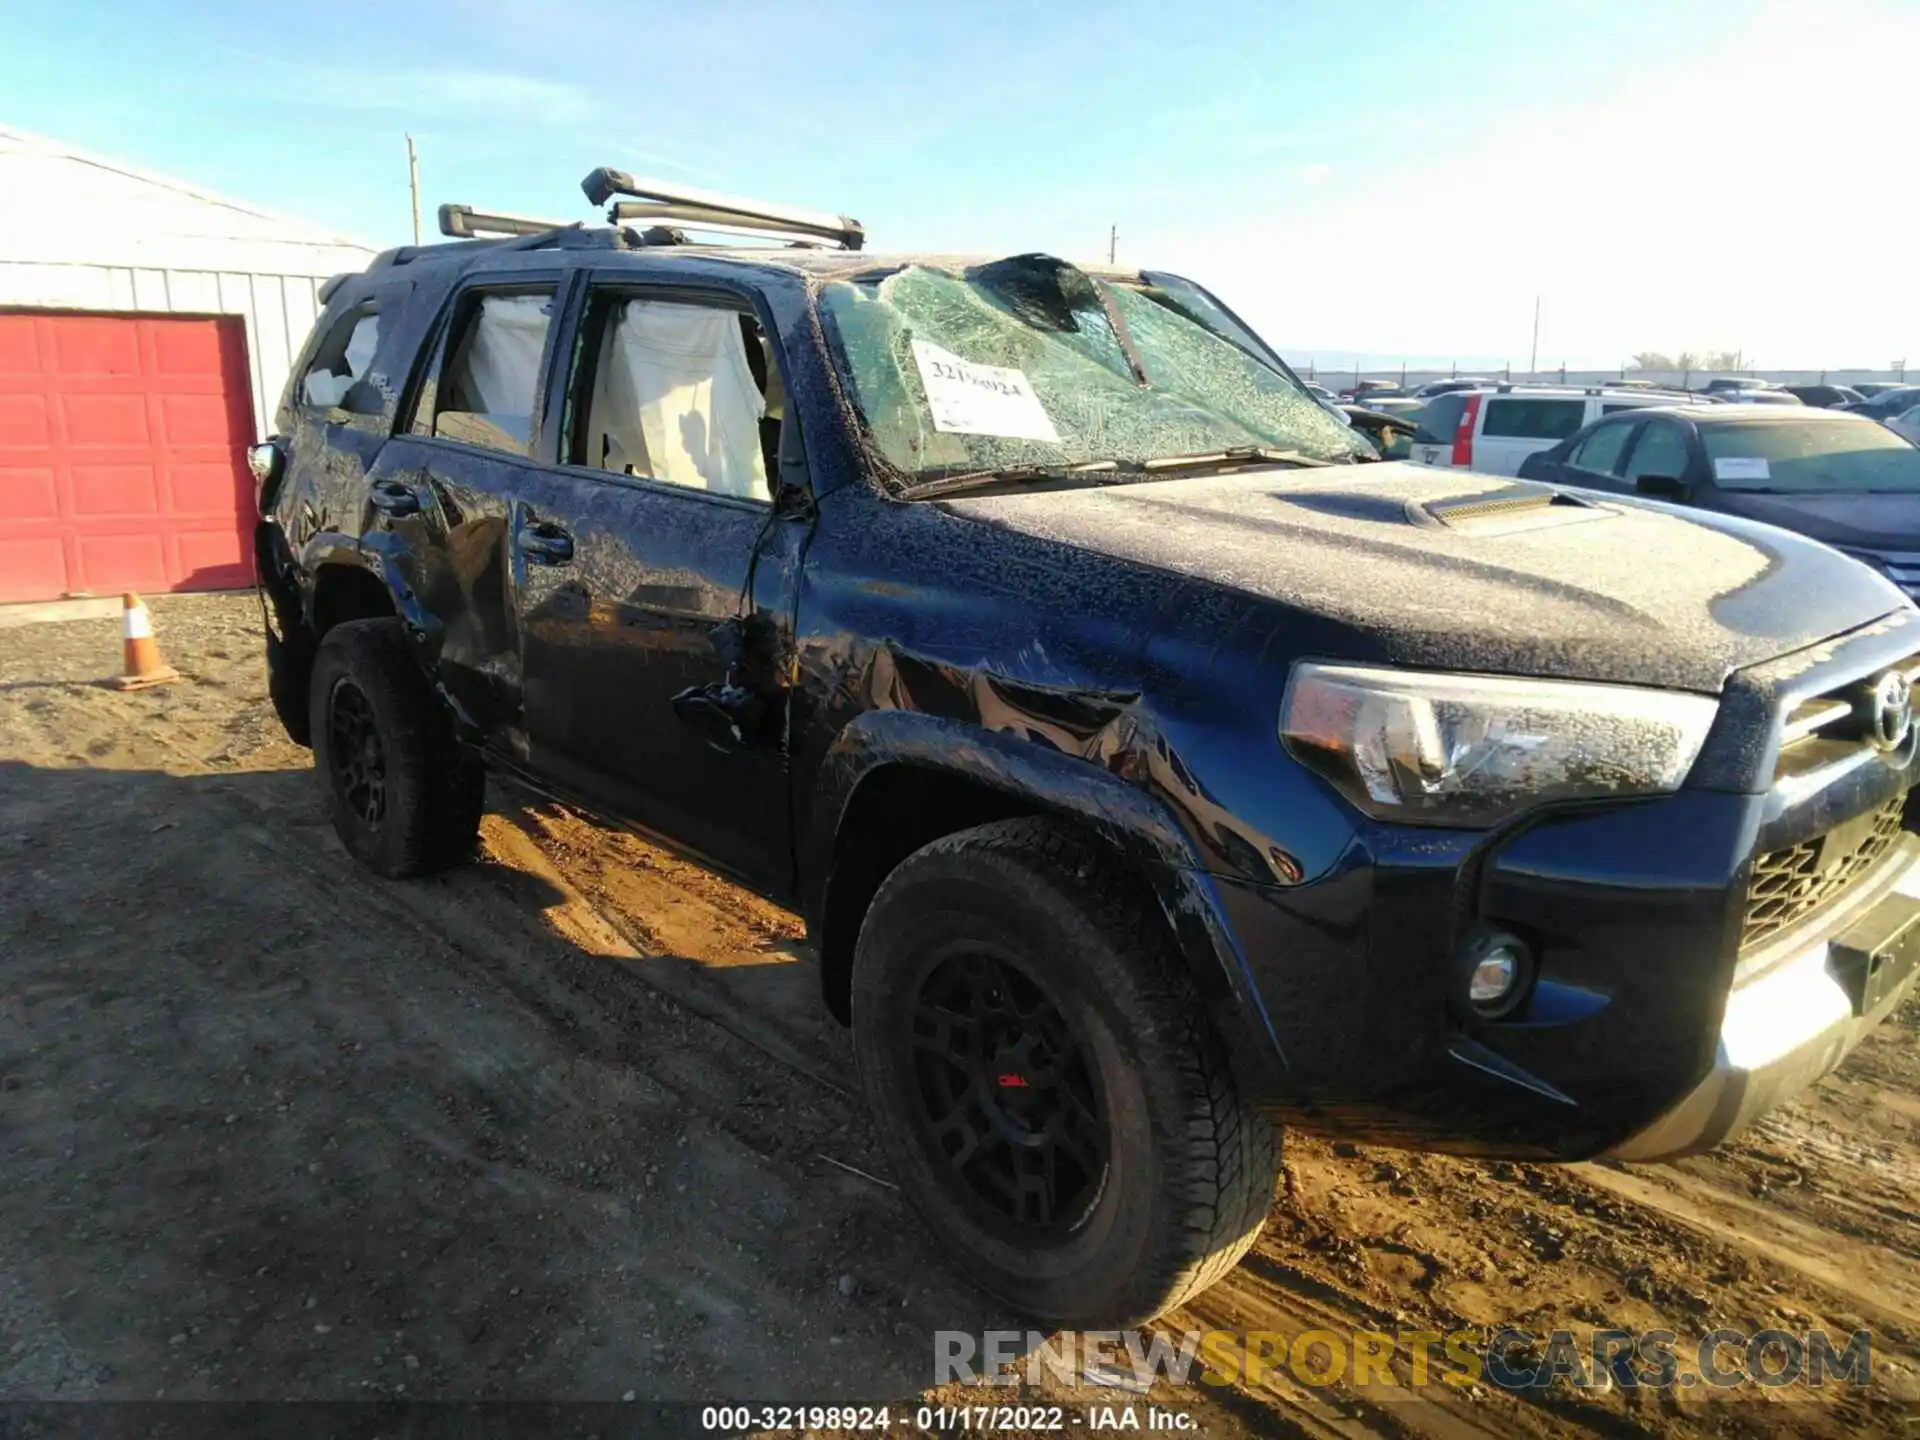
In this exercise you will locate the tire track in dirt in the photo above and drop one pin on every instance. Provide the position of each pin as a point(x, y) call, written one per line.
point(639, 899)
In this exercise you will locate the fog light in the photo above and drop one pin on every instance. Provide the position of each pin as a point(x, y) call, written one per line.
point(1497, 971)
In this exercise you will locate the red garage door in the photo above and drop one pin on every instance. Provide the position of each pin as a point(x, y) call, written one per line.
point(122, 445)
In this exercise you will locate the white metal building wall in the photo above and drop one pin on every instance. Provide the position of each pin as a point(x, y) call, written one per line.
point(79, 232)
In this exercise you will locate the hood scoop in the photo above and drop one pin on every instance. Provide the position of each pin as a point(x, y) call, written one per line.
point(1507, 511)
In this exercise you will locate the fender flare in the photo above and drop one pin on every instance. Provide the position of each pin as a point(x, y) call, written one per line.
point(381, 555)
point(384, 556)
point(1040, 779)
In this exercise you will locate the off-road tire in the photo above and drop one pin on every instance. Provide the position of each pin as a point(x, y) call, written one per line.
point(1191, 1166)
point(433, 789)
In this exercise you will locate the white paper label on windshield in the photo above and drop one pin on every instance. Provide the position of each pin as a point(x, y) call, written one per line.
point(1740, 467)
point(970, 399)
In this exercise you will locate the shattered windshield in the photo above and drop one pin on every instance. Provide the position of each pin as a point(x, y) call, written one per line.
point(1031, 363)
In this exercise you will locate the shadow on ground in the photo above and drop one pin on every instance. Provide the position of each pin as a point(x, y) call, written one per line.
point(274, 1128)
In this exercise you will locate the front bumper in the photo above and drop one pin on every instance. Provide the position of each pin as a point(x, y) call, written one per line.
point(1655, 1026)
point(1797, 1010)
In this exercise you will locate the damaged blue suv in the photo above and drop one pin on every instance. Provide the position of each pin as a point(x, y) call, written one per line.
point(1152, 763)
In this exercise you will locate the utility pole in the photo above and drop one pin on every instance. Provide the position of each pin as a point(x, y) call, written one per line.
point(1113, 242)
point(1533, 360)
point(413, 186)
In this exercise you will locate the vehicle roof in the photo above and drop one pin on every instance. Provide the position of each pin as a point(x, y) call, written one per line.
point(840, 264)
point(1562, 392)
point(605, 244)
point(830, 264)
point(1756, 414)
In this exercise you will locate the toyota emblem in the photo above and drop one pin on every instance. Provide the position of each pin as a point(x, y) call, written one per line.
point(1892, 714)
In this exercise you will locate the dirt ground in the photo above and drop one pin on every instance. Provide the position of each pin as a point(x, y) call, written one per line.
point(571, 1124)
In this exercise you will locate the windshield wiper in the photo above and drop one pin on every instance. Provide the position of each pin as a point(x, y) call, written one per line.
point(974, 481)
point(1235, 455)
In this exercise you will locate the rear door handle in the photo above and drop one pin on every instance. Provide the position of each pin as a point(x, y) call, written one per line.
point(390, 497)
point(546, 544)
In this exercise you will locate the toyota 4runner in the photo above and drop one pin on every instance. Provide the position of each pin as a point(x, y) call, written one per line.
point(1150, 761)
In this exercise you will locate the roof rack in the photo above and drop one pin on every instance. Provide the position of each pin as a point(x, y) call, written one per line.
point(654, 200)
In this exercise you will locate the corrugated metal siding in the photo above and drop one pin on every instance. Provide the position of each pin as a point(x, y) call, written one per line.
point(278, 309)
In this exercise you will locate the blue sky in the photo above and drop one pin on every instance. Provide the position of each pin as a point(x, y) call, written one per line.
point(1390, 178)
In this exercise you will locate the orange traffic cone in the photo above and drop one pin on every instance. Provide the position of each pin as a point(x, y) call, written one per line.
point(140, 663)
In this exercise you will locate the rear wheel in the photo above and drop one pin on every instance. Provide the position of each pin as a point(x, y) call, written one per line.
point(1047, 1086)
point(402, 794)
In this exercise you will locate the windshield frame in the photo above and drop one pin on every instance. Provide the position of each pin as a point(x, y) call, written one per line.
point(1171, 292)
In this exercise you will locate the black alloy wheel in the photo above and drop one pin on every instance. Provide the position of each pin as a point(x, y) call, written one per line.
point(1006, 1094)
point(354, 755)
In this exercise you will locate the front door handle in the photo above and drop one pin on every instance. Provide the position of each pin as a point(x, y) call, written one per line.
point(546, 544)
point(390, 497)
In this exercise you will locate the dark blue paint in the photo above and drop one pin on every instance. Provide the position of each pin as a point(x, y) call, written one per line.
point(1030, 648)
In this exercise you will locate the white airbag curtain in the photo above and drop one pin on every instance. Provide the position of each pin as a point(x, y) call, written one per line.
point(677, 401)
point(503, 353)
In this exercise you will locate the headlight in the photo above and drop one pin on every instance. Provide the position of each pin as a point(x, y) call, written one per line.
point(1470, 750)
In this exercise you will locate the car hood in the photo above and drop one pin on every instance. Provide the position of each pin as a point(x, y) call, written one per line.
point(1525, 580)
point(1869, 522)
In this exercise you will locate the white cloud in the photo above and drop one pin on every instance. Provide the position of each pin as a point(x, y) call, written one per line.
point(1313, 174)
point(1733, 200)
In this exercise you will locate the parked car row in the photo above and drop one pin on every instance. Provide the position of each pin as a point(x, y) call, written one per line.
point(1879, 396)
point(1493, 430)
point(1837, 478)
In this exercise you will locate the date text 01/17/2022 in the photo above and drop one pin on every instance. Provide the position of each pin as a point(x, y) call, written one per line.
point(945, 1419)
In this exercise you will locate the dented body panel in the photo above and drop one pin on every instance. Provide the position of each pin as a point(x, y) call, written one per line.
point(743, 677)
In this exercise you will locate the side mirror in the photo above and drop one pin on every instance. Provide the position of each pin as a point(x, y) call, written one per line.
point(1663, 487)
point(264, 461)
point(363, 397)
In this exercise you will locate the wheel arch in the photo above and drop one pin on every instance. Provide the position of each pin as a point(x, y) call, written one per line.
point(333, 579)
point(895, 780)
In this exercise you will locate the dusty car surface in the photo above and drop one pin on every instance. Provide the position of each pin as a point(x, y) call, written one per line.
point(1150, 761)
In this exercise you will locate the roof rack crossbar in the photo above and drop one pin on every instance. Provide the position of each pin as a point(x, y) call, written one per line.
point(463, 222)
point(660, 202)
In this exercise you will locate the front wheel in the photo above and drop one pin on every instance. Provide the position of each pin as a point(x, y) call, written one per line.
point(1046, 1083)
point(403, 796)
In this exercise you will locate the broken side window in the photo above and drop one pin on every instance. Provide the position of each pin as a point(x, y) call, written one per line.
point(343, 357)
point(493, 372)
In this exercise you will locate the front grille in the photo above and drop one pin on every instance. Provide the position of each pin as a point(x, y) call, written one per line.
point(1788, 885)
point(1834, 726)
